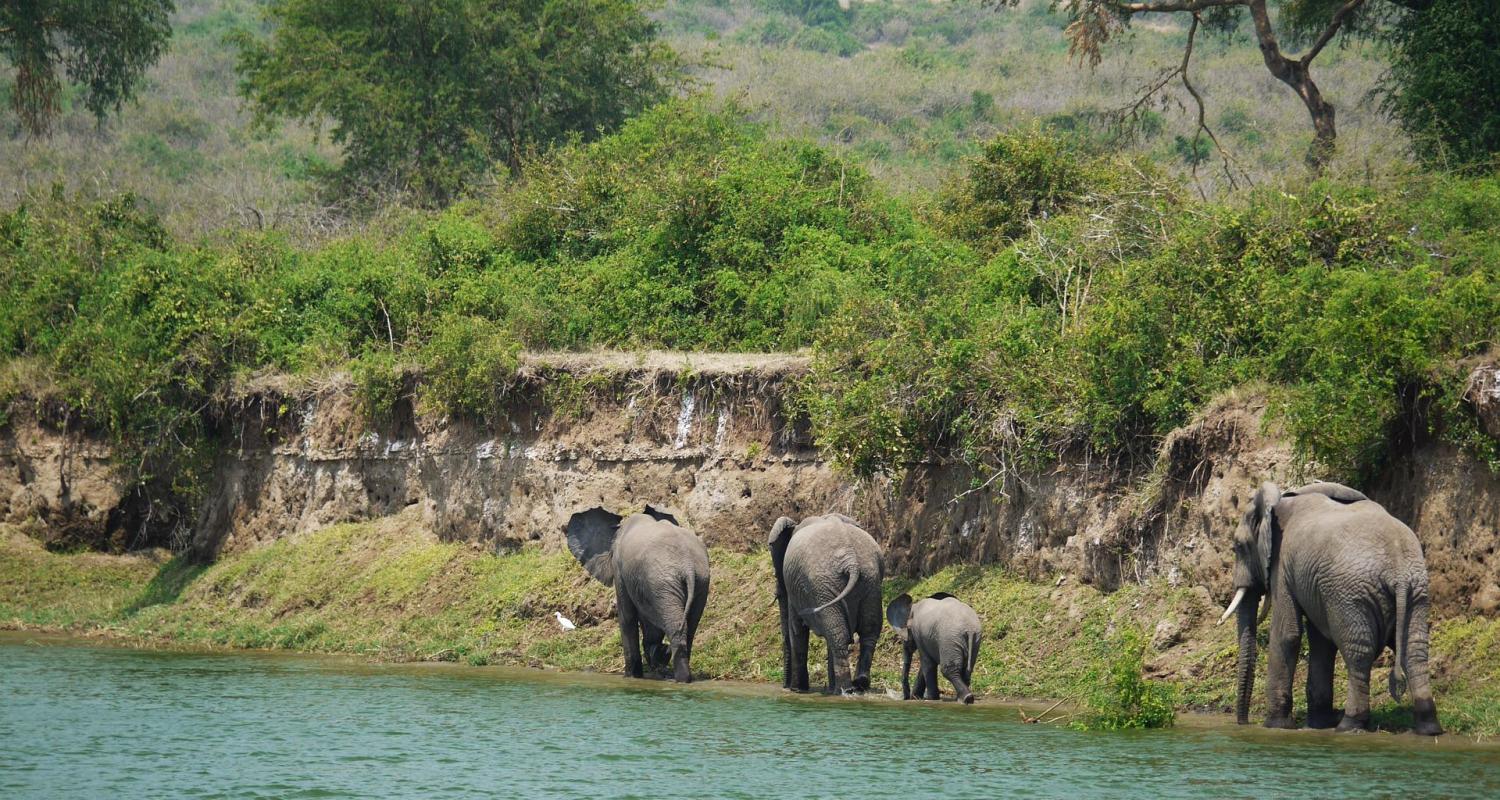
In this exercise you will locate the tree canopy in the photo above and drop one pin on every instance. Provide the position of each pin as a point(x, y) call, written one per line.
point(423, 96)
point(102, 45)
point(1308, 25)
point(1444, 85)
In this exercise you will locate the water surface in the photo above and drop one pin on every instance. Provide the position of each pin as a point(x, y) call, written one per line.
point(87, 721)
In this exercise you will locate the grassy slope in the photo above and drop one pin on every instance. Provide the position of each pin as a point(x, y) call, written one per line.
point(390, 590)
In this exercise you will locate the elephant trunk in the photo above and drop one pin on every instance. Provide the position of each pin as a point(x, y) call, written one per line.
point(1246, 674)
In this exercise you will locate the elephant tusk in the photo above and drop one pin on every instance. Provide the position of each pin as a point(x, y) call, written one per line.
point(1265, 610)
point(1233, 604)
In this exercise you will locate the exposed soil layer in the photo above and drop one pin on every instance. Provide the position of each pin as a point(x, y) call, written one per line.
point(710, 436)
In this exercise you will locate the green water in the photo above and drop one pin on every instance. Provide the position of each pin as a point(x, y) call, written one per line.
point(82, 721)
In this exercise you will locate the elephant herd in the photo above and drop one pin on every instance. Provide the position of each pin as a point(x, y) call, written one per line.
point(1323, 560)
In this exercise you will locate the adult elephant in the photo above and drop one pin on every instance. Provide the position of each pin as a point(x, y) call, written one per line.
point(659, 570)
point(828, 574)
point(944, 632)
point(1329, 560)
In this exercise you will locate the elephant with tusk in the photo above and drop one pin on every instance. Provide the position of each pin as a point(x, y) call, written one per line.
point(1328, 560)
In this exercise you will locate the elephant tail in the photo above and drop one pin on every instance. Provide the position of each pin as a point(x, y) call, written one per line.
point(848, 587)
point(687, 607)
point(973, 654)
point(1398, 670)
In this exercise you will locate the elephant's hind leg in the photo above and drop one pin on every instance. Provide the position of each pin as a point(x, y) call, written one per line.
point(1320, 654)
point(1359, 659)
point(838, 664)
point(955, 675)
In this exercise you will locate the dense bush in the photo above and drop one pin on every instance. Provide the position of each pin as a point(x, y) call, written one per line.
point(1054, 298)
point(1444, 82)
point(1111, 310)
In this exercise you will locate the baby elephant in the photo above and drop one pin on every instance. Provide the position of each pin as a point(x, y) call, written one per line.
point(946, 632)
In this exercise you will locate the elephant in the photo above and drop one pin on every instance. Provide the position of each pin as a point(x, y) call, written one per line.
point(946, 632)
point(1330, 561)
point(659, 571)
point(828, 574)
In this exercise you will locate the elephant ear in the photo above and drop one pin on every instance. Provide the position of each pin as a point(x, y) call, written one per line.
point(591, 540)
point(781, 536)
point(898, 613)
point(1334, 491)
point(1265, 527)
point(661, 515)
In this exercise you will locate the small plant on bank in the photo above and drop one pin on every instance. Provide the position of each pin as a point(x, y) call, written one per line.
point(1118, 696)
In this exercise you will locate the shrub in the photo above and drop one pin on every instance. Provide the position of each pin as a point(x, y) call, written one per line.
point(1118, 696)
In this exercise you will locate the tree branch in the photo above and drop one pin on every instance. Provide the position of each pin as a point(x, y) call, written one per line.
point(1334, 25)
point(1168, 6)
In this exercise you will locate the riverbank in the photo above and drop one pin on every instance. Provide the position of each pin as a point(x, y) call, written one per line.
point(391, 590)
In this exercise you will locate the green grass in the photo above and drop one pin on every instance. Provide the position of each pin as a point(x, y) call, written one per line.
point(389, 589)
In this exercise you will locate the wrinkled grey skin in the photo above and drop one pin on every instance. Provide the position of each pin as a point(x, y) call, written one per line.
point(660, 574)
point(1334, 563)
point(828, 574)
point(945, 633)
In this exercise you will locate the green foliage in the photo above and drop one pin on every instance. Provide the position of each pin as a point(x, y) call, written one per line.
point(426, 96)
point(1117, 695)
point(1444, 82)
point(1110, 312)
point(105, 46)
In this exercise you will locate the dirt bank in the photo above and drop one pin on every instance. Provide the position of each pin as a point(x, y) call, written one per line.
point(712, 436)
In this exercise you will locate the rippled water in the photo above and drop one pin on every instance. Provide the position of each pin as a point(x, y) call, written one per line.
point(81, 721)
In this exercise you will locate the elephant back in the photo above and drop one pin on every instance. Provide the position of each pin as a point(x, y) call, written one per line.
point(648, 545)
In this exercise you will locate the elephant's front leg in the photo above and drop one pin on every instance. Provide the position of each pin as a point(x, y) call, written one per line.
point(866, 659)
point(799, 640)
point(928, 682)
point(1320, 653)
point(630, 632)
point(1281, 660)
point(907, 648)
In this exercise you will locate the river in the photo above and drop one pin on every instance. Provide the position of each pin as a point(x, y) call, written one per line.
point(86, 721)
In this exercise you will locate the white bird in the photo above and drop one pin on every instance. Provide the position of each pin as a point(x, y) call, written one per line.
point(563, 622)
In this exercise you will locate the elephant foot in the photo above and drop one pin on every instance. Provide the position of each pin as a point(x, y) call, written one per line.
point(967, 699)
point(1283, 722)
point(1360, 724)
point(1322, 720)
point(1424, 718)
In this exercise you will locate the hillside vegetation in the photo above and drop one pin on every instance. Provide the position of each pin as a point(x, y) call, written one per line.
point(904, 89)
point(1053, 296)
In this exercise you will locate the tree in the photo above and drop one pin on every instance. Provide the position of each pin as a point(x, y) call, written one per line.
point(425, 95)
point(103, 45)
point(1309, 23)
point(1444, 84)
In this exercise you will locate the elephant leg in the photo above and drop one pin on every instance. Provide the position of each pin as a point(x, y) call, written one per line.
point(653, 646)
point(800, 632)
point(786, 642)
point(919, 691)
point(1418, 677)
point(630, 632)
point(929, 679)
point(1320, 653)
point(1359, 659)
point(955, 675)
point(682, 670)
point(1281, 661)
point(907, 648)
point(867, 644)
point(838, 664)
